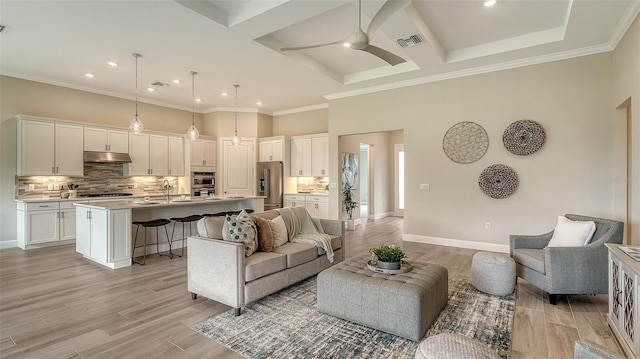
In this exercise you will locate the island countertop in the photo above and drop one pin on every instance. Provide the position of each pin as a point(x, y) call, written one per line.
point(138, 203)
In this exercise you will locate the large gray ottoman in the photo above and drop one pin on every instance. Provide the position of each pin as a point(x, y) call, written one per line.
point(403, 304)
point(493, 273)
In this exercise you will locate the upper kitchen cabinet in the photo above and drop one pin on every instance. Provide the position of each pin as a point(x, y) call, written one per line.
point(152, 155)
point(48, 148)
point(272, 149)
point(203, 155)
point(105, 140)
point(310, 155)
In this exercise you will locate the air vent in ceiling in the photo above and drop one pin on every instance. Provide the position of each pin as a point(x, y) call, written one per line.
point(408, 41)
point(159, 84)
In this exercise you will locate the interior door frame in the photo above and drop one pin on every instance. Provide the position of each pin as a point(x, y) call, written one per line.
point(396, 188)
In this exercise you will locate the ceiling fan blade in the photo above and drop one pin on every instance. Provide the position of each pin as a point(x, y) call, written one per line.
point(311, 46)
point(385, 55)
point(386, 11)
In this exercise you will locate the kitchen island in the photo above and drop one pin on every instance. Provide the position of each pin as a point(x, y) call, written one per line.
point(104, 232)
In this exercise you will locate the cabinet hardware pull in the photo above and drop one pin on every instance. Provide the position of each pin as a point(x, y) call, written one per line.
point(322, 171)
point(57, 170)
point(106, 147)
point(204, 162)
point(53, 170)
point(109, 147)
point(88, 214)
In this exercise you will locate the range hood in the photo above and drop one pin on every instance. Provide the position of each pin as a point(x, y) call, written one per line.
point(106, 157)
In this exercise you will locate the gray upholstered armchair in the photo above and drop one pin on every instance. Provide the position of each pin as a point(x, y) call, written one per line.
point(566, 270)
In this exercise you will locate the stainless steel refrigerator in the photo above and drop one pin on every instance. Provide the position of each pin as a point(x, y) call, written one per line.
point(271, 183)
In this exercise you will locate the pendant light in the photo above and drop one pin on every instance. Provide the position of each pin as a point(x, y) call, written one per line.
point(236, 139)
point(193, 132)
point(136, 125)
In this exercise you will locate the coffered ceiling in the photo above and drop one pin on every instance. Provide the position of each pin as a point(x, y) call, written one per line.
point(239, 41)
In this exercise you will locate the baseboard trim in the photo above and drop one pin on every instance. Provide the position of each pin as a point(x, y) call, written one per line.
point(381, 215)
point(8, 244)
point(492, 247)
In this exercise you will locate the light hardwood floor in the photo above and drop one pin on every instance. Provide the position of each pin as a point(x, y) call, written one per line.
point(55, 304)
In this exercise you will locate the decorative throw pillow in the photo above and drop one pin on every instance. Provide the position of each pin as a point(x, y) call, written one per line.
point(211, 227)
point(570, 233)
point(265, 235)
point(279, 229)
point(241, 229)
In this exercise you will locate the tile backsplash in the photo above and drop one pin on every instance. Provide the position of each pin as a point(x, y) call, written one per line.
point(313, 184)
point(98, 178)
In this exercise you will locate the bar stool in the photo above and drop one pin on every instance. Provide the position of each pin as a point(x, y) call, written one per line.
point(219, 214)
point(183, 220)
point(149, 224)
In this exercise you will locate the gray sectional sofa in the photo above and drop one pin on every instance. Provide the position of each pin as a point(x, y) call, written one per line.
point(219, 270)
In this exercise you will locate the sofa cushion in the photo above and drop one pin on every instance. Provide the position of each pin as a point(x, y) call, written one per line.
point(297, 253)
point(530, 257)
point(336, 243)
point(570, 233)
point(241, 229)
point(261, 264)
point(279, 229)
point(210, 227)
point(265, 235)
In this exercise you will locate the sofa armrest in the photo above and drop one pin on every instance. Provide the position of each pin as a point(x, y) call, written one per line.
point(529, 241)
point(216, 270)
point(582, 267)
point(333, 227)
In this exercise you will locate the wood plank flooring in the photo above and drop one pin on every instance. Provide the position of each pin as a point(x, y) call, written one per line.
point(55, 304)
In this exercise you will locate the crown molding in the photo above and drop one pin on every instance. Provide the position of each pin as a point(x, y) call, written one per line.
point(320, 106)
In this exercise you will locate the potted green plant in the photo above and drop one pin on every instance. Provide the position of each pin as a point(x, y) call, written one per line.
point(348, 205)
point(388, 256)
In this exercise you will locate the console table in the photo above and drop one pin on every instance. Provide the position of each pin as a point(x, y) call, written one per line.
point(624, 279)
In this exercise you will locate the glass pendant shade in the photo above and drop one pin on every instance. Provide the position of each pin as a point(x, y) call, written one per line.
point(193, 132)
point(136, 126)
point(235, 140)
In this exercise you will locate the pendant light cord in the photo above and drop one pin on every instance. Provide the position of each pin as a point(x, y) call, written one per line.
point(193, 97)
point(236, 115)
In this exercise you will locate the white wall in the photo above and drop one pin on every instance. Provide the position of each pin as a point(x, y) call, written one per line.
point(571, 99)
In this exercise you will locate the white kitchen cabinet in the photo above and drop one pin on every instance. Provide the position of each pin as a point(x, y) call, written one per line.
point(238, 163)
point(104, 236)
point(271, 149)
point(317, 206)
point(310, 156)
point(293, 200)
point(48, 148)
point(301, 157)
point(45, 223)
point(203, 155)
point(151, 155)
point(624, 274)
point(320, 156)
point(105, 140)
point(176, 156)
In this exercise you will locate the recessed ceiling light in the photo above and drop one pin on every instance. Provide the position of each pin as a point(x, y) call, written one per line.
point(198, 100)
point(89, 75)
point(112, 63)
point(258, 103)
point(176, 81)
point(488, 3)
point(224, 94)
point(150, 89)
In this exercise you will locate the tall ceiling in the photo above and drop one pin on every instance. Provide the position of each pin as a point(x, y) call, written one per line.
point(239, 41)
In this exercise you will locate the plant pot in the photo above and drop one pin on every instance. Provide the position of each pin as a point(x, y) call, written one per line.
point(388, 265)
point(351, 225)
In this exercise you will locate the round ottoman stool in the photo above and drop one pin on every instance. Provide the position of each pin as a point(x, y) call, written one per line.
point(493, 273)
point(454, 346)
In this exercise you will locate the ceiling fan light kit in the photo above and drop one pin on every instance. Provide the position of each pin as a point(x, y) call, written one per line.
point(360, 40)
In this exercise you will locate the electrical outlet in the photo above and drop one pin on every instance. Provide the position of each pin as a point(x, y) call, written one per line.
point(50, 186)
point(487, 225)
point(424, 186)
point(32, 187)
point(56, 187)
point(135, 185)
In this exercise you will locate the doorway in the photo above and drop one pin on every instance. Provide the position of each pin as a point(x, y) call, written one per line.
point(398, 150)
point(364, 180)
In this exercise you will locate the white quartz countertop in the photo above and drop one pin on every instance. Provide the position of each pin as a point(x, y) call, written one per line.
point(308, 194)
point(157, 203)
point(97, 199)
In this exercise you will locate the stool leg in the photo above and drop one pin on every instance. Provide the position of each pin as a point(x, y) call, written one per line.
point(166, 232)
point(173, 232)
point(133, 249)
point(158, 242)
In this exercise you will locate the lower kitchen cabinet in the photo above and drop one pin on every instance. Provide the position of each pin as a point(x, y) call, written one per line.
point(317, 206)
point(104, 236)
point(45, 223)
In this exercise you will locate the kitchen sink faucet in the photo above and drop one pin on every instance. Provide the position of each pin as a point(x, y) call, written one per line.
point(166, 185)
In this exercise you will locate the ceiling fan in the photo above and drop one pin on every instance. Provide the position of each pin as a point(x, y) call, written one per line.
point(360, 40)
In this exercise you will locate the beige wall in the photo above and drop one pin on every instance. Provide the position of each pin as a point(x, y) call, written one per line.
point(571, 100)
point(626, 90)
point(222, 124)
point(301, 123)
point(395, 138)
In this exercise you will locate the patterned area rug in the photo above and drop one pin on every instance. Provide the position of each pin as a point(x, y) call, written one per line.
point(287, 325)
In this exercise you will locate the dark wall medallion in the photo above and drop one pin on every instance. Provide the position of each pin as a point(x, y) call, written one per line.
point(498, 181)
point(523, 137)
point(465, 142)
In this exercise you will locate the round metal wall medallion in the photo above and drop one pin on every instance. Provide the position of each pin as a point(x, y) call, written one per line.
point(465, 142)
point(523, 137)
point(498, 181)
